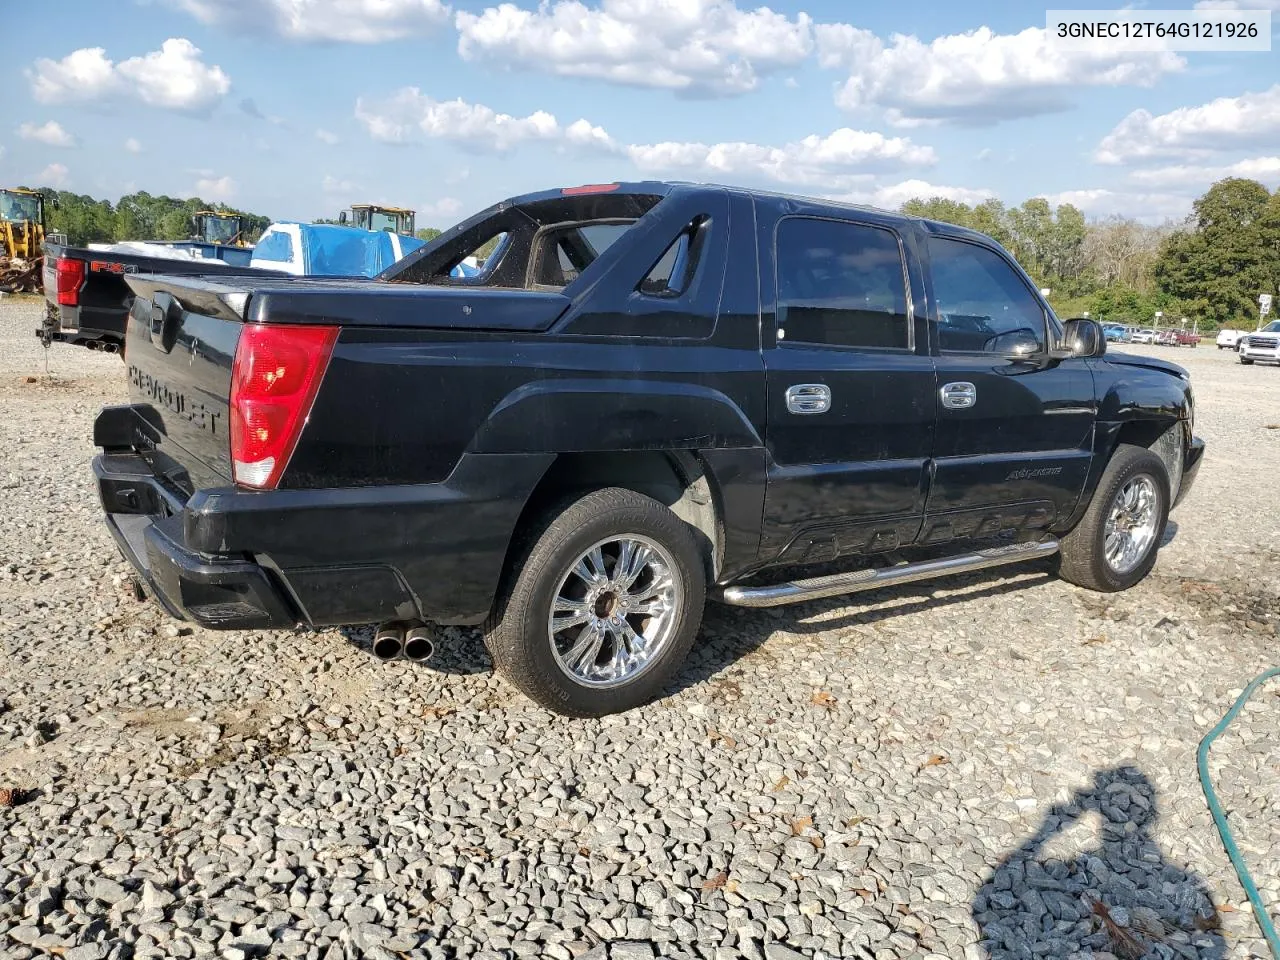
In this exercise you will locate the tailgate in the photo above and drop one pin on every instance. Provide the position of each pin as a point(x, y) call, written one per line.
point(179, 347)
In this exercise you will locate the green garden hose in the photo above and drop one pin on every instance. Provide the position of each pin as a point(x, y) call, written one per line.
point(1220, 818)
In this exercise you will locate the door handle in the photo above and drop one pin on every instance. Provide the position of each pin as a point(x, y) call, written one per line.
point(808, 398)
point(959, 396)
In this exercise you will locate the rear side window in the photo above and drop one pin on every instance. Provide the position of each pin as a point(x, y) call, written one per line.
point(276, 246)
point(841, 284)
point(568, 250)
point(675, 269)
point(983, 305)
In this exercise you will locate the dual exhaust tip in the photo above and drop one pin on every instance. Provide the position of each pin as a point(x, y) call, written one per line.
point(395, 642)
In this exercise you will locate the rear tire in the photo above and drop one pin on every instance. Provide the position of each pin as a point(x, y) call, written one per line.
point(623, 578)
point(1115, 544)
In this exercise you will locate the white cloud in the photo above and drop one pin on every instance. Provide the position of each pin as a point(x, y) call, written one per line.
point(836, 161)
point(220, 188)
point(81, 75)
point(979, 77)
point(409, 115)
point(446, 208)
point(1148, 207)
point(1265, 169)
point(324, 136)
point(344, 21)
point(700, 46)
point(54, 175)
point(173, 77)
point(583, 134)
point(51, 134)
point(133, 146)
point(1187, 132)
point(892, 196)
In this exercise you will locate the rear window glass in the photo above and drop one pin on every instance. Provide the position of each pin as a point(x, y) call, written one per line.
point(546, 242)
point(276, 246)
point(567, 251)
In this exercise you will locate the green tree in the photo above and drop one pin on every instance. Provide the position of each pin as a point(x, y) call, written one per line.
point(428, 233)
point(1226, 256)
point(137, 216)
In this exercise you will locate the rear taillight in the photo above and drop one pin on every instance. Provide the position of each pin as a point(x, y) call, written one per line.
point(70, 280)
point(274, 379)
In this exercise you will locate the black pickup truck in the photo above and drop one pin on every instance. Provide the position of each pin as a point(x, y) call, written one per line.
point(651, 393)
point(87, 299)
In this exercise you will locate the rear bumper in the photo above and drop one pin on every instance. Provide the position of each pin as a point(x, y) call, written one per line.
point(145, 518)
point(232, 559)
point(62, 324)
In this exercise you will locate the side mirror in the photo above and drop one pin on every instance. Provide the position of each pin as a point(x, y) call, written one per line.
point(1084, 338)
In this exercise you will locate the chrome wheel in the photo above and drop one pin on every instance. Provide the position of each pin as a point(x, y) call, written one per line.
point(1131, 524)
point(614, 611)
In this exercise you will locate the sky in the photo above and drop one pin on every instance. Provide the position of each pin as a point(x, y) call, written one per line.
point(297, 108)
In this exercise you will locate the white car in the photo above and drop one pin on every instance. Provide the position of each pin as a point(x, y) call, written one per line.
point(1229, 339)
point(1144, 336)
point(1262, 345)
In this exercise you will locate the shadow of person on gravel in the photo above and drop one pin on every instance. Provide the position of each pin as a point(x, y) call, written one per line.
point(1110, 893)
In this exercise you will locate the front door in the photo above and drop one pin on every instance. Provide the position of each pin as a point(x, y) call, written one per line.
point(1015, 428)
point(850, 390)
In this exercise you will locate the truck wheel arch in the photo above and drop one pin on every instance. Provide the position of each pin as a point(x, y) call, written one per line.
point(676, 479)
point(1166, 438)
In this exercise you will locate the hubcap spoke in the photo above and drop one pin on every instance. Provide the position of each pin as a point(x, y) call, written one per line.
point(632, 560)
point(578, 611)
point(584, 652)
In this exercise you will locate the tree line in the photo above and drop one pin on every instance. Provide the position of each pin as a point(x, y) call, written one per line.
point(135, 216)
point(1209, 268)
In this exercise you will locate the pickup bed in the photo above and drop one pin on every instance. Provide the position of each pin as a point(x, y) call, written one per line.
point(652, 393)
point(87, 299)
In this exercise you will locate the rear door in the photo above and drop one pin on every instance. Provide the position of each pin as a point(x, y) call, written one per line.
point(1015, 429)
point(850, 386)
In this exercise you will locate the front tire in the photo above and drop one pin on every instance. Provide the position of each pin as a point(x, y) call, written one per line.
point(1115, 544)
point(601, 606)
point(1246, 360)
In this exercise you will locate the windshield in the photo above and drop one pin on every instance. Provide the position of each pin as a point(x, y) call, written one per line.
point(16, 207)
point(1272, 327)
point(220, 229)
point(383, 222)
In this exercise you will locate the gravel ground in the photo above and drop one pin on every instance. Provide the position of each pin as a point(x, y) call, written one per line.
point(997, 766)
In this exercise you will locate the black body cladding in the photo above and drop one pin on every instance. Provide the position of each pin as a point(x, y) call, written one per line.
point(451, 408)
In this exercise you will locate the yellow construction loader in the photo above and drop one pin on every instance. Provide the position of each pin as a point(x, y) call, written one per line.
point(22, 229)
point(372, 216)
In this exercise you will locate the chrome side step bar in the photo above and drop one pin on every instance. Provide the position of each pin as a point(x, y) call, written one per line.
point(798, 591)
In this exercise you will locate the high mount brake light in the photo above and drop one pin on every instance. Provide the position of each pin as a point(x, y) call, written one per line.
point(589, 188)
point(274, 380)
point(70, 279)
